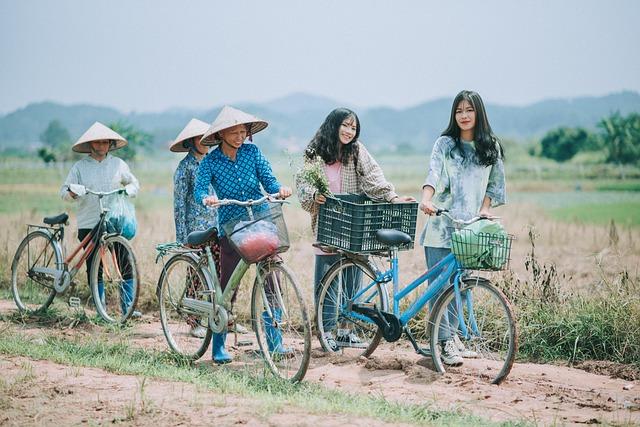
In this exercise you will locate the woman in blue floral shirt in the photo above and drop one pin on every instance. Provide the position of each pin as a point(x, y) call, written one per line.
point(236, 171)
point(466, 176)
point(188, 215)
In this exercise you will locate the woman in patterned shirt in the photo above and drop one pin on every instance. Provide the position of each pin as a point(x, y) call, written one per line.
point(236, 171)
point(349, 168)
point(466, 176)
point(188, 215)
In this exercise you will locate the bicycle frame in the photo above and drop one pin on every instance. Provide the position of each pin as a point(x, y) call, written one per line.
point(223, 298)
point(88, 244)
point(439, 276)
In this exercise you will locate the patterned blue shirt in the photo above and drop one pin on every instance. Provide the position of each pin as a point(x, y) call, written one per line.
point(188, 215)
point(239, 180)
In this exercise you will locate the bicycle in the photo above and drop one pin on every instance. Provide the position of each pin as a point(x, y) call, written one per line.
point(40, 270)
point(189, 291)
point(354, 302)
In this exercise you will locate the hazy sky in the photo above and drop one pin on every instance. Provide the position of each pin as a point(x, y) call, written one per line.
point(153, 55)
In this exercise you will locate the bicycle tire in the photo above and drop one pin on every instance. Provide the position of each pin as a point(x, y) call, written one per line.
point(489, 319)
point(179, 274)
point(117, 300)
point(34, 292)
point(284, 331)
point(330, 322)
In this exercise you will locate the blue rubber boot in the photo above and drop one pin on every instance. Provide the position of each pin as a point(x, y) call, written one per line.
point(126, 298)
point(218, 352)
point(101, 292)
point(274, 336)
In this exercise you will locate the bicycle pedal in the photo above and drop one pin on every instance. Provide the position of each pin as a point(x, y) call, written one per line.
point(74, 302)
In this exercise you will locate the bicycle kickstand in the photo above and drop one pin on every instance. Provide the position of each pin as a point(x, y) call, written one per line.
point(422, 351)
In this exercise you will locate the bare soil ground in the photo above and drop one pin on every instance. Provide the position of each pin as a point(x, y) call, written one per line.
point(542, 394)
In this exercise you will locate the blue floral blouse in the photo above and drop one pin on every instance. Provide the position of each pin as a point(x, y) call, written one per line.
point(239, 180)
point(460, 184)
point(188, 215)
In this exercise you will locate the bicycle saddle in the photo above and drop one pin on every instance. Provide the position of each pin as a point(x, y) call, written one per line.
point(392, 237)
point(58, 219)
point(196, 238)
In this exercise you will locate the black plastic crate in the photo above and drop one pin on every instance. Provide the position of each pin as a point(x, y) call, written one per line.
point(350, 222)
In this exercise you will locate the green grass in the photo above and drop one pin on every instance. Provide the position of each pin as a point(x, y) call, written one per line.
point(623, 213)
point(626, 185)
point(121, 358)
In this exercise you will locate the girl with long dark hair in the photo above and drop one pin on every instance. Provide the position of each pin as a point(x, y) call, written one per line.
point(348, 168)
point(466, 176)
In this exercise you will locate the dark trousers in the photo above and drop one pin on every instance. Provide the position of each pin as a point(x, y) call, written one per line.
point(123, 261)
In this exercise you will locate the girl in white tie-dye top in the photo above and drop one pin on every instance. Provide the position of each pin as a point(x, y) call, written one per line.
point(466, 176)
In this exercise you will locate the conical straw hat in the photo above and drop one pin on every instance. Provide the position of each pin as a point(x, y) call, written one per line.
point(230, 117)
point(194, 128)
point(97, 132)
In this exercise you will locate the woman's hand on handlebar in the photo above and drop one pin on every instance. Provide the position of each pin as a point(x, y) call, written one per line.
point(284, 192)
point(428, 207)
point(210, 201)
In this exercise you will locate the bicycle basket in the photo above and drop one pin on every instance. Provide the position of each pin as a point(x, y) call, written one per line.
point(261, 236)
point(350, 222)
point(481, 251)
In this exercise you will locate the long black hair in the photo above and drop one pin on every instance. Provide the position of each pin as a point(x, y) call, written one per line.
point(488, 147)
point(326, 142)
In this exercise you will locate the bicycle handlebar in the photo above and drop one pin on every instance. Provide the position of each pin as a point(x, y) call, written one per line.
point(81, 190)
point(106, 193)
point(270, 197)
point(445, 212)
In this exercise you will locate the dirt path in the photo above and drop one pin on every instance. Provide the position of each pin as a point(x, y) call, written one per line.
point(46, 393)
point(545, 394)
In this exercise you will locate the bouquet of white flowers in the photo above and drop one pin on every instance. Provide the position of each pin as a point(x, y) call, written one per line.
point(313, 173)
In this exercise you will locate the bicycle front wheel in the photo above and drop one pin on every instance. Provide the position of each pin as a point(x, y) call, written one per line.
point(487, 336)
point(280, 320)
point(114, 279)
point(340, 330)
point(182, 278)
point(32, 270)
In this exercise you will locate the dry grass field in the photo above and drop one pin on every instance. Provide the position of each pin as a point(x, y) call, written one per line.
point(574, 282)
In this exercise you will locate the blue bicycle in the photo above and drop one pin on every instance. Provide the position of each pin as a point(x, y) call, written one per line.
point(466, 311)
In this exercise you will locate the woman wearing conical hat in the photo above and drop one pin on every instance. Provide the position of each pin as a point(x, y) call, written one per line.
point(236, 171)
point(99, 171)
point(188, 215)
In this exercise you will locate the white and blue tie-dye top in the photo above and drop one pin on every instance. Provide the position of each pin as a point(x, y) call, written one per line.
point(460, 184)
point(188, 215)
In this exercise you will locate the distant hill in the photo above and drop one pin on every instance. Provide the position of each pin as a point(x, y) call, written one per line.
point(294, 119)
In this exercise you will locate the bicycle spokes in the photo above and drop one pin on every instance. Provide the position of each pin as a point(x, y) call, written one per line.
point(33, 270)
point(281, 322)
point(482, 328)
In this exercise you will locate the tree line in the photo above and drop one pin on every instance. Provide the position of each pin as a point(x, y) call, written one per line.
point(617, 136)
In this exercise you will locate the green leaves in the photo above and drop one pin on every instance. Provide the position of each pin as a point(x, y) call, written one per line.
point(313, 174)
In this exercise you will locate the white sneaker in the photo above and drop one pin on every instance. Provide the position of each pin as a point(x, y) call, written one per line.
point(198, 331)
point(464, 352)
point(234, 326)
point(449, 353)
point(350, 340)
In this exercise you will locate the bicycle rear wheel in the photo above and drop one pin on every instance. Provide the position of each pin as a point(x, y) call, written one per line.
point(31, 284)
point(490, 325)
point(280, 320)
point(182, 277)
point(340, 330)
point(114, 280)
